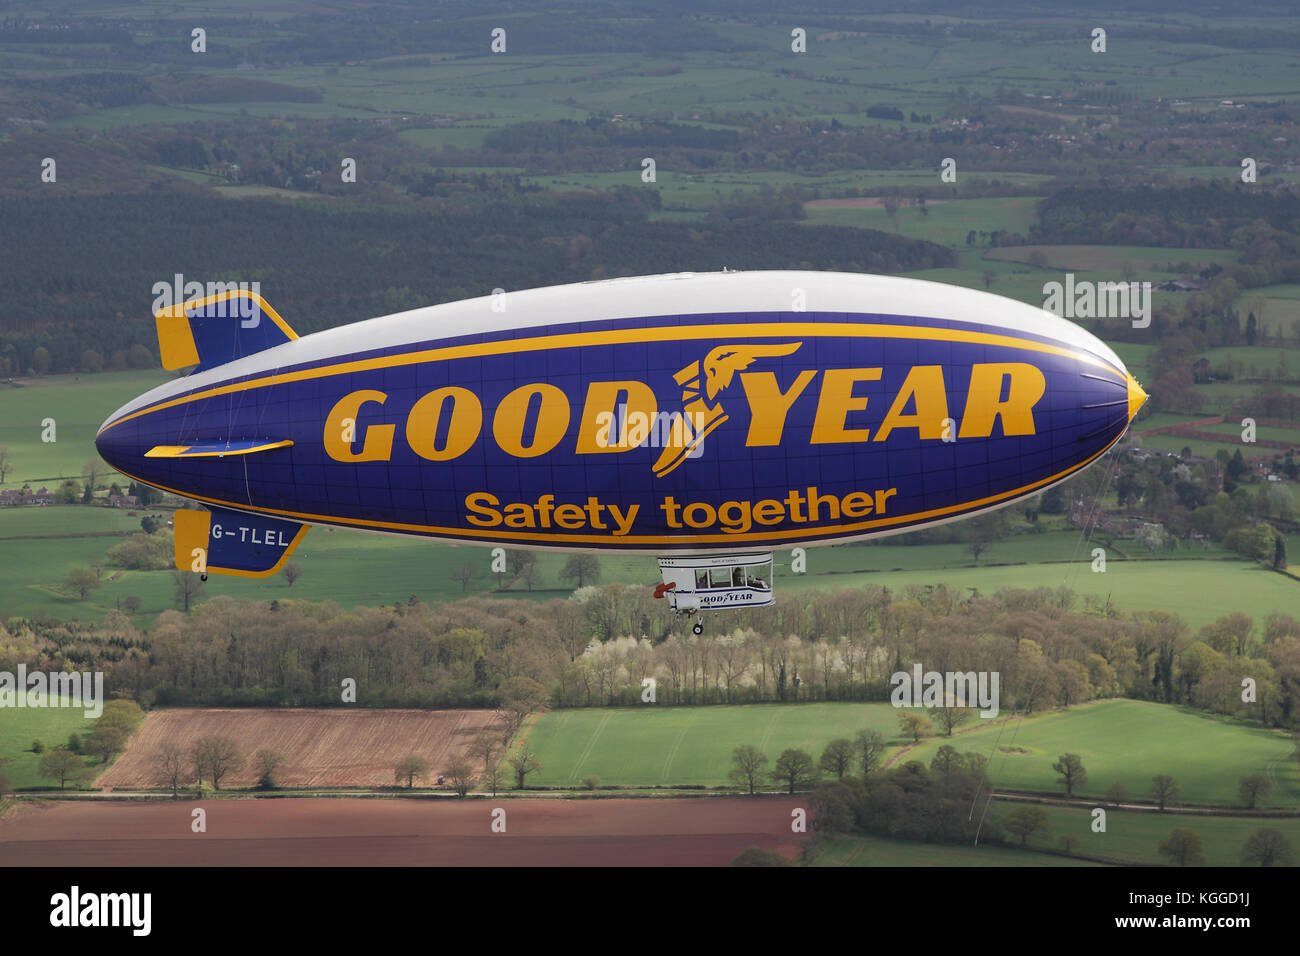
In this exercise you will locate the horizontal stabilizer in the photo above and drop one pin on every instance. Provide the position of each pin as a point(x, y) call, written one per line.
point(216, 449)
point(221, 541)
point(219, 329)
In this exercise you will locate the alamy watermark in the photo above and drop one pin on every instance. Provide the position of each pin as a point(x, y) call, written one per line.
point(922, 688)
point(633, 429)
point(1099, 300)
point(61, 689)
point(167, 295)
point(76, 908)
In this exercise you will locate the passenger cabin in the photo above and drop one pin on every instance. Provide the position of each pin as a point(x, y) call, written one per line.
point(695, 583)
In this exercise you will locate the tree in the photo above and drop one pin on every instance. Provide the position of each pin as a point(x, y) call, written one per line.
point(591, 781)
point(524, 763)
point(1117, 794)
point(760, 856)
point(493, 775)
point(1184, 847)
point(531, 574)
point(747, 765)
point(518, 561)
point(187, 588)
point(6, 463)
point(1165, 789)
point(131, 603)
point(795, 768)
point(169, 766)
point(485, 747)
point(1025, 822)
point(1070, 767)
point(837, 757)
point(870, 747)
point(63, 766)
point(983, 532)
point(215, 756)
point(81, 581)
point(946, 759)
point(520, 698)
point(409, 768)
point(1053, 501)
point(121, 713)
point(1253, 787)
point(90, 472)
point(267, 762)
point(950, 717)
point(463, 574)
point(915, 726)
point(1267, 847)
point(145, 495)
point(461, 775)
point(292, 572)
point(74, 743)
point(69, 492)
point(581, 568)
point(106, 741)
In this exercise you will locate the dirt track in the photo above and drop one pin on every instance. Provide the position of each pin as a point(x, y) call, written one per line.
point(321, 748)
point(398, 832)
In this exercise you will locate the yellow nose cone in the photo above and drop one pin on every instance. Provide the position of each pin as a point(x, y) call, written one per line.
point(1136, 397)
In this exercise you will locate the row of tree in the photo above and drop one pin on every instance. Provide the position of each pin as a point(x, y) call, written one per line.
point(1048, 648)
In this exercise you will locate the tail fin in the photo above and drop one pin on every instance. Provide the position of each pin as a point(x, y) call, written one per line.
point(222, 541)
point(219, 329)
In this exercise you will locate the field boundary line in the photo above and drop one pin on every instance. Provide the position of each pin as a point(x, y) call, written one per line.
point(767, 733)
point(672, 751)
point(591, 744)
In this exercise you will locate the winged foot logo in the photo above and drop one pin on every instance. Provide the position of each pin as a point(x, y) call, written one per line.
point(720, 367)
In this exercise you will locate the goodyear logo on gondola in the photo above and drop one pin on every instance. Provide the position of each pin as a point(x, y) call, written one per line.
point(617, 415)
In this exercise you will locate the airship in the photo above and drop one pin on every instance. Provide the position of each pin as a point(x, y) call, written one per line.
point(708, 419)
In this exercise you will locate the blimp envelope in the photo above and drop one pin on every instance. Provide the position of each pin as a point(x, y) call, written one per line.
point(664, 414)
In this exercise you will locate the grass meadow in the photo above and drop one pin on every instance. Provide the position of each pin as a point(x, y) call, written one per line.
point(1128, 742)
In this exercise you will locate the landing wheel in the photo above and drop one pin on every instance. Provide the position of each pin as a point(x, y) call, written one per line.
point(203, 576)
point(699, 627)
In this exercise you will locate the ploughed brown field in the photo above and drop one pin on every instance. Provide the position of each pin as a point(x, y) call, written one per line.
point(438, 831)
point(321, 748)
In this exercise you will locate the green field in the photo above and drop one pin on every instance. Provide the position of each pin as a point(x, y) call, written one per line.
point(653, 745)
point(847, 68)
point(1128, 742)
point(78, 404)
point(1198, 591)
point(1132, 835)
point(882, 851)
point(39, 546)
point(19, 726)
point(947, 223)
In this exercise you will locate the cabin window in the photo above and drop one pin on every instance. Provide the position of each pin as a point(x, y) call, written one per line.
point(701, 579)
point(720, 577)
point(759, 576)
